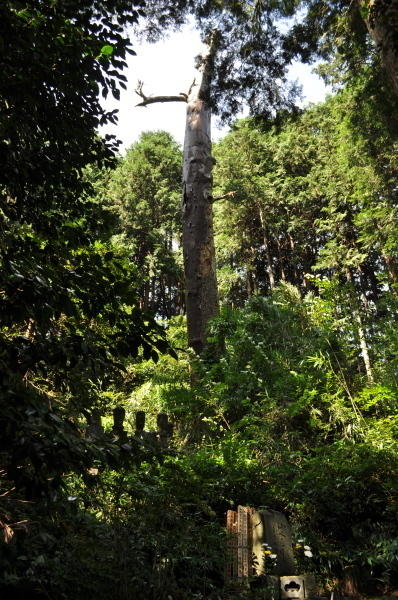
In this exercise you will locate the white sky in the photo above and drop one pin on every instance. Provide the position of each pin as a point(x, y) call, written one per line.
point(167, 68)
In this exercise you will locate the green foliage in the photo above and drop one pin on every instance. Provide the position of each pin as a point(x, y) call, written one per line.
point(285, 423)
point(307, 441)
point(293, 406)
point(317, 193)
point(150, 534)
point(68, 296)
point(54, 68)
point(143, 193)
point(70, 323)
point(250, 62)
point(68, 318)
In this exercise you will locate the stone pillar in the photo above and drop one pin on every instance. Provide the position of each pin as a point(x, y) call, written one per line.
point(139, 423)
point(118, 418)
point(163, 429)
point(95, 429)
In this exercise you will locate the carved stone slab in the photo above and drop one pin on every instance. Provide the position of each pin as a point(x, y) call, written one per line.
point(292, 586)
point(271, 527)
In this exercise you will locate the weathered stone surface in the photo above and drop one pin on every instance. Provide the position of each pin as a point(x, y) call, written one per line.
point(310, 585)
point(298, 586)
point(292, 586)
point(271, 527)
point(118, 418)
point(238, 568)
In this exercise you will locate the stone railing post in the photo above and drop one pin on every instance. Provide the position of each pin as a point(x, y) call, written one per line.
point(163, 429)
point(95, 429)
point(118, 431)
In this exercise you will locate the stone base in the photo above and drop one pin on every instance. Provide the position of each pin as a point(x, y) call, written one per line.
point(294, 587)
point(298, 587)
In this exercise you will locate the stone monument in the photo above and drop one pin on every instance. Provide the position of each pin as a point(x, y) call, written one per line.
point(271, 527)
point(266, 536)
point(163, 435)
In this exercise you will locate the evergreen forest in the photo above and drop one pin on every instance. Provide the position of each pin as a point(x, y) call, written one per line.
point(288, 399)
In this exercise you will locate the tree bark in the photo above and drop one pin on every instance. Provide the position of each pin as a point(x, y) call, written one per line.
point(364, 298)
point(197, 215)
point(201, 295)
point(381, 22)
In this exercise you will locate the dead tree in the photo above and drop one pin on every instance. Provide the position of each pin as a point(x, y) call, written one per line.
point(197, 215)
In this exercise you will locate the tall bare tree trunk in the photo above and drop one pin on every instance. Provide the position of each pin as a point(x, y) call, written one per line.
point(201, 294)
point(197, 214)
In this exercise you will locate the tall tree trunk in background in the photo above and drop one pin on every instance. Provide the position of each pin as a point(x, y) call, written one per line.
point(267, 250)
point(361, 330)
point(392, 270)
point(364, 298)
point(293, 261)
point(197, 214)
point(381, 21)
point(249, 283)
point(181, 299)
point(281, 265)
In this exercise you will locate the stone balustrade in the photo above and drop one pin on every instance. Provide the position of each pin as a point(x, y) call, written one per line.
point(162, 435)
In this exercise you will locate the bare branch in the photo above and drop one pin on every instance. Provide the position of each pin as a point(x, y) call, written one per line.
point(138, 89)
point(192, 86)
point(153, 99)
point(224, 196)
